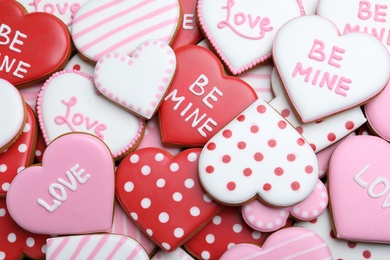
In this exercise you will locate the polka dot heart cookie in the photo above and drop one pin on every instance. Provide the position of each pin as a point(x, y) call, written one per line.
point(173, 206)
point(266, 219)
point(258, 154)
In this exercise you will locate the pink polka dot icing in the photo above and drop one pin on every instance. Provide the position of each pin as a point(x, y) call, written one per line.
point(258, 154)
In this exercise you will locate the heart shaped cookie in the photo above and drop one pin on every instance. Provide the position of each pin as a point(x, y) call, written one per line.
point(242, 32)
point(258, 154)
point(325, 73)
point(30, 53)
point(68, 102)
point(12, 114)
point(288, 243)
point(75, 181)
point(95, 247)
point(15, 242)
point(359, 177)
point(137, 83)
point(20, 154)
point(100, 27)
point(201, 99)
point(174, 206)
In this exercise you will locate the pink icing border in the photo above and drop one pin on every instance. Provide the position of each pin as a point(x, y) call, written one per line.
point(141, 124)
point(220, 53)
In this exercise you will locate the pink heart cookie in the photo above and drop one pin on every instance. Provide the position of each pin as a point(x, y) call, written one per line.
point(137, 83)
point(75, 181)
point(359, 177)
point(258, 154)
point(266, 219)
point(322, 71)
point(95, 247)
point(288, 243)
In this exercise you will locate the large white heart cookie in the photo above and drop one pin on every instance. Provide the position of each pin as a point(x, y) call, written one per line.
point(242, 31)
point(258, 154)
point(68, 102)
point(325, 73)
point(138, 83)
point(102, 26)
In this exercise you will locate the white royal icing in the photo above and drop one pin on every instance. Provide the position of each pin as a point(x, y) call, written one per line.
point(258, 153)
point(325, 73)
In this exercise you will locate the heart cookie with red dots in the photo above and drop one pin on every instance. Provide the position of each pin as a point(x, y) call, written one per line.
point(258, 154)
point(225, 230)
point(173, 206)
point(288, 243)
point(20, 154)
point(31, 53)
point(16, 242)
point(267, 219)
point(128, 81)
point(201, 99)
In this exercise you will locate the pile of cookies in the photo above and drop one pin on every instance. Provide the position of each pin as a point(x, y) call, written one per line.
point(194, 129)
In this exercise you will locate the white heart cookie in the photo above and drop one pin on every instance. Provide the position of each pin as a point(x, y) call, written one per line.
point(325, 73)
point(12, 113)
point(138, 83)
point(102, 26)
point(242, 31)
point(258, 154)
point(68, 102)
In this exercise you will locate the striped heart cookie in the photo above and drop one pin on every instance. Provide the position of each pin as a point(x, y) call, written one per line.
point(102, 26)
point(95, 247)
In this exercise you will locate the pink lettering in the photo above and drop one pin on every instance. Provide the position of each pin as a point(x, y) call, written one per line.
point(333, 56)
point(318, 49)
point(365, 12)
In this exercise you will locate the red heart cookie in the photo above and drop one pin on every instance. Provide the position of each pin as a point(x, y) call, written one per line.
point(15, 241)
point(20, 154)
point(173, 205)
point(32, 46)
point(201, 99)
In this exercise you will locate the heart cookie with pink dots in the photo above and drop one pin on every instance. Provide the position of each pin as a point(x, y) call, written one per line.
point(266, 219)
point(128, 81)
point(258, 154)
point(173, 205)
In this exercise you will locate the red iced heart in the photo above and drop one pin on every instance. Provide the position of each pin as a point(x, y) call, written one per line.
point(201, 99)
point(32, 46)
point(15, 241)
point(20, 154)
point(172, 206)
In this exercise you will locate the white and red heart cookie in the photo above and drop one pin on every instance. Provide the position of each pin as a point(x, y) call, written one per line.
point(288, 243)
point(266, 219)
point(242, 32)
point(173, 206)
point(95, 247)
point(75, 181)
point(12, 114)
point(359, 177)
point(258, 154)
point(20, 154)
point(68, 102)
point(139, 82)
point(201, 99)
point(22, 62)
point(322, 71)
point(100, 27)
point(178, 254)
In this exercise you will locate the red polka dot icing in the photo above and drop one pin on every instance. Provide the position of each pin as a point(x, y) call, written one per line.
point(233, 174)
point(173, 205)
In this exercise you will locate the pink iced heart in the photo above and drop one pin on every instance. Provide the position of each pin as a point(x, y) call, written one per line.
point(359, 184)
point(71, 193)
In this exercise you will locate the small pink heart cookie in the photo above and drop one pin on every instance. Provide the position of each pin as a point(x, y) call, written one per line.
point(95, 247)
point(288, 243)
point(75, 181)
point(266, 219)
point(359, 176)
point(258, 154)
point(322, 71)
point(137, 83)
